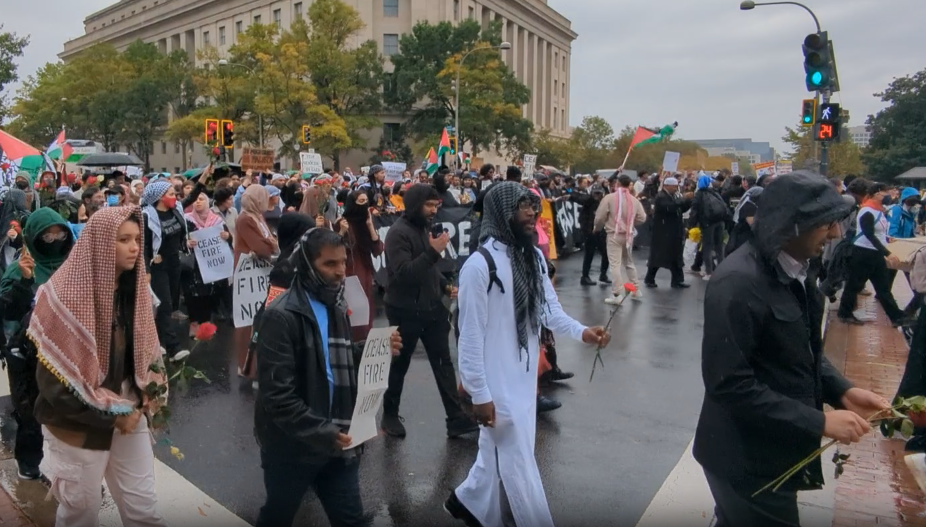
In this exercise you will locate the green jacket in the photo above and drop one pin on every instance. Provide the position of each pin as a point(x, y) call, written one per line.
point(45, 265)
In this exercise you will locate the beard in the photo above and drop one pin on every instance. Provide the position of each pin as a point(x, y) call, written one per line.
point(522, 239)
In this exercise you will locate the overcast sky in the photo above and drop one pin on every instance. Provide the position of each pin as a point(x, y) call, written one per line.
point(719, 71)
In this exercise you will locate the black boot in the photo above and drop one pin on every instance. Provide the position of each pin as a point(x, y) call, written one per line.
point(603, 278)
point(455, 508)
point(545, 404)
point(587, 281)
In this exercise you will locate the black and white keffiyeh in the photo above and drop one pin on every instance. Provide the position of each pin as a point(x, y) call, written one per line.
point(501, 204)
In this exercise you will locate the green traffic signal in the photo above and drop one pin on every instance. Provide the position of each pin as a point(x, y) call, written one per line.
point(807, 119)
point(816, 78)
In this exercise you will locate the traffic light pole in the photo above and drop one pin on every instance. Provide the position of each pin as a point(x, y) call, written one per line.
point(824, 146)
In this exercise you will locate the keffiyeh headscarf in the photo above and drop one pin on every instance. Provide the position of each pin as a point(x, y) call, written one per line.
point(72, 329)
point(501, 204)
point(154, 192)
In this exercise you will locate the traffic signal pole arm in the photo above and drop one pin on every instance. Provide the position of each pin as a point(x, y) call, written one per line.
point(747, 5)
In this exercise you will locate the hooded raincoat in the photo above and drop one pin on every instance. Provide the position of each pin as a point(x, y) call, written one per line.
point(765, 376)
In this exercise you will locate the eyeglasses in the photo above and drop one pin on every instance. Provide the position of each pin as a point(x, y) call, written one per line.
point(51, 237)
point(529, 204)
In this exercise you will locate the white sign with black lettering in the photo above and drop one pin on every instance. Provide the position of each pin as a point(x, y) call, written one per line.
point(251, 282)
point(394, 171)
point(735, 168)
point(213, 254)
point(530, 160)
point(670, 162)
point(311, 163)
point(372, 381)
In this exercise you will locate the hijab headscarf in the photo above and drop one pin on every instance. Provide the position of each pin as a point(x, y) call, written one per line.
point(205, 219)
point(501, 204)
point(354, 213)
point(72, 322)
point(45, 264)
point(255, 202)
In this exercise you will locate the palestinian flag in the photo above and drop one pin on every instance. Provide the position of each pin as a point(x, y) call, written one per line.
point(644, 136)
point(432, 160)
point(59, 149)
point(464, 158)
point(444, 147)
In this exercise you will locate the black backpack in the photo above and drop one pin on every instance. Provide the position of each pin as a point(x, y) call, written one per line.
point(715, 210)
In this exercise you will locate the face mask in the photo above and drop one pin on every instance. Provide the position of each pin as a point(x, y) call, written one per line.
point(169, 202)
point(22, 185)
point(51, 249)
point(112, 200)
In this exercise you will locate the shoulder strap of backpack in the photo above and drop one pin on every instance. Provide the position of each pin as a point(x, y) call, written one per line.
point(493, 271)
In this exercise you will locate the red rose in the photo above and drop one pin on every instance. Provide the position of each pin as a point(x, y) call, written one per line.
point(630, 288)
point(205, 332)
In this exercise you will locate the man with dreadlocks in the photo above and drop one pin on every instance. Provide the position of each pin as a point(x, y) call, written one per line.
point(502, 287)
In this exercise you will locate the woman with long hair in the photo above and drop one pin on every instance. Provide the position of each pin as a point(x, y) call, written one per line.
point(201, 298)
point(253, 236)
point(363, 243)
point(93, 327)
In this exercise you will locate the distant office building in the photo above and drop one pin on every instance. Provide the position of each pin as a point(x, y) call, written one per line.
point(540, 37)
point(860, 135)
point(764, 150)
point(734, 154)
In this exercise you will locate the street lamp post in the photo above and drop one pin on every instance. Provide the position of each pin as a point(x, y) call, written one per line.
point(456, 126)
point(260, 118)
point(747, 5)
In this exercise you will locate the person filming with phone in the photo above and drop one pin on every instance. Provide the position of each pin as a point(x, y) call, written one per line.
point(413, 301)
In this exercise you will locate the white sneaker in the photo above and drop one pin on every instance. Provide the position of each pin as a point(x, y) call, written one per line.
point(614, 300)
point(636, 295)
point(180, 355)
point(917, 465)
point(706, 277)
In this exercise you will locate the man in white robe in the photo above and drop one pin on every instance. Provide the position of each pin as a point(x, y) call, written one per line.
point(499, 351)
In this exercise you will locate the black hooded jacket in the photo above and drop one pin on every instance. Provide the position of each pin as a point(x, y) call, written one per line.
point(765, 376)
point(415, 281)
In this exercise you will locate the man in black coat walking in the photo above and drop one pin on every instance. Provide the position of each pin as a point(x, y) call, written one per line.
point(669, 234)
point(765, 376)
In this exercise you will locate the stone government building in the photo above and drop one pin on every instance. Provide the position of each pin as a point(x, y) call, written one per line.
point(540, 57)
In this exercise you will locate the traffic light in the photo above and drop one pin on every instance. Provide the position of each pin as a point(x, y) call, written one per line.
point(830, 122)
point(819, 64)
point(228, 134)
point(212, 131)
point(307, 134)
point(453, 146)
point(808, 113)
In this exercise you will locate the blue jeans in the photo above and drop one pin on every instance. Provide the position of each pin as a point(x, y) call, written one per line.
point(336, 483)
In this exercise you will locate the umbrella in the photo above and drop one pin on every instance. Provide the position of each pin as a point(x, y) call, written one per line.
point(193, 172)
point(110, 159)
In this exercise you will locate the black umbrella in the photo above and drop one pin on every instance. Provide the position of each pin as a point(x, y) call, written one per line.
point(110, 159)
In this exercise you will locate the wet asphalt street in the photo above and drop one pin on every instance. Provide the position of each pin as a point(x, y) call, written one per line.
point(603, 455)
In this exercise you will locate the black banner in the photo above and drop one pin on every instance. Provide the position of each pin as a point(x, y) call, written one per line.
point(457, 221)
point(569, 236)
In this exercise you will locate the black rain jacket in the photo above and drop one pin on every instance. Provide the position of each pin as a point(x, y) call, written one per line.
point(765, 376)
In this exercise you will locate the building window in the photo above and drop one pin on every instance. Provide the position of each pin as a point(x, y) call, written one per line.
point(276, 17)
point(222, 36)
point(555, 118)
point(564, 62)
point(555, 89)
point(456, 10)
point(257, 19)
point(390, 7)
point(472, 13)
point(563, 118)
point(239, 26)
point(205, 38)
point(163, 147)
point(176, 148)
point(163, 169)
point(391, 133)
point(297, 10)
point(390, 44)
point(389, 88)
point(176, 170)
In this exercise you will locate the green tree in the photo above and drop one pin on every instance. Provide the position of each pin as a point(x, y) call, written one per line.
point(146, 98)
point(844, 157)
point(11, 48)
point(594, 140)
point(491, 97)
point(347, 78)
point(898, 134)
point(554, 151)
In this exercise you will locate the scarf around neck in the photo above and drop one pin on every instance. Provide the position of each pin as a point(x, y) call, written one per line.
point(340, 351)
point(72, 326)
point(623, 220)
point(501, 202)
point(205, 219)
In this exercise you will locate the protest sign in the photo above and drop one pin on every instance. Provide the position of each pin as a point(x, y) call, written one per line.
point(735, 168)
point(257, 159)
point(213, 254)
point(251, 281)
point(393, 171)
point(372, 381)
point(764, 169)
point(530, 160)
point(358, 304)
point(311, 163)
point(670, 162)
point(784, 167)
point(567, 223)
point(364, 171)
